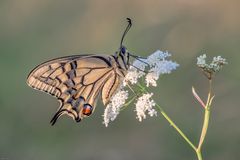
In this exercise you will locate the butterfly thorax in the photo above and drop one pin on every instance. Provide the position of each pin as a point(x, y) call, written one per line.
point(121, 59)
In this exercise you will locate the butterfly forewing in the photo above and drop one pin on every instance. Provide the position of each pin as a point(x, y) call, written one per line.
point(77, 82)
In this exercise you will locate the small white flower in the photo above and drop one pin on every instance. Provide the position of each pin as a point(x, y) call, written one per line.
point(219, 59)
point(201, 60)
point(113, 108)
point(152, 112)
point(151, 79)
point(157, 56)
point(217, 63)
point(209, 69)
point(158, 64)
point(132, 76)
point(145, 104)
point(162, 66)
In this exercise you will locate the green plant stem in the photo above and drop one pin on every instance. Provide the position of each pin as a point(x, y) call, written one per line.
point(199, 154)
point(176, 127)
point(205, 121)
point(128, 103)
point(204, 128)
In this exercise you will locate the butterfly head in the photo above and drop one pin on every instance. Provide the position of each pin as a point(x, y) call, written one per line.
point(122, 52)
point(123, 55)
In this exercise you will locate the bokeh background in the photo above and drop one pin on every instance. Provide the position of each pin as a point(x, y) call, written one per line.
point(33, 31)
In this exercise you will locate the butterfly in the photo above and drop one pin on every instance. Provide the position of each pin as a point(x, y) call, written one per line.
point(77, 81)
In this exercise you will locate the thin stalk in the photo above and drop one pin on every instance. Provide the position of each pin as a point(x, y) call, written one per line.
point(171, 122)
point(199, 154)
point(204, 128)
point(205, 121)
point(176, 127)
point(128, 103)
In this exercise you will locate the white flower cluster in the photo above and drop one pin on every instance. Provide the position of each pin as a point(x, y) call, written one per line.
point(152, 67)
point(156, 64)
point(145, 103)
point(201, 60)
point(217, 63)
point(113, 108)
point(214, 66)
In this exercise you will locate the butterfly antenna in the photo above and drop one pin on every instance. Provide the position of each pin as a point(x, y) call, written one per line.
point(126, 30)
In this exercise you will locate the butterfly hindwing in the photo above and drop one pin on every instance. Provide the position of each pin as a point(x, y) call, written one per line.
point(110, 86)
point(77, 82)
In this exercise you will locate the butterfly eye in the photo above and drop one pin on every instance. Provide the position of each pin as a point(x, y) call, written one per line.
point(87, 109)
point(123, 50)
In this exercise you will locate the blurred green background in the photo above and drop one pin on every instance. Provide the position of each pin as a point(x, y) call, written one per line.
point(33, 31)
